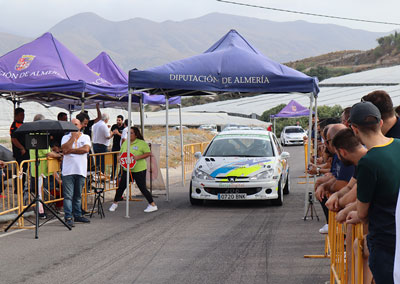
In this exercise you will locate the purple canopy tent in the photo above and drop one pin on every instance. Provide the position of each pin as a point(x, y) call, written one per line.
point(44, 70)
point(232, 64)
point(292, 109)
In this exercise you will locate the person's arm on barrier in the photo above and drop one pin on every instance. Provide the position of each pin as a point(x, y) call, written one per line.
point(322, 190)
point(341, 198)
point(53, 155)
point(318, 169)
point(352, 218)
point(337, 185)
point(322, 180)
point(333, 202)
point(342, 214)
point(349, 197)
point(362, 210)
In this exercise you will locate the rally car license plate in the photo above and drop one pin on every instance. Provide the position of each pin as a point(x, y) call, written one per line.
point(232, 196)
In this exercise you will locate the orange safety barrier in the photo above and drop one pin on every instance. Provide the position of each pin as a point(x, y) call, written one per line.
point(340, 272)
point(101, 178)
point(50, 180)
point(305, 144)
point(188, 153)
point(10, 198)
point(15, 196)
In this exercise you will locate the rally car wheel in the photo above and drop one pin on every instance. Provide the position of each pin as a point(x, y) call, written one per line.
point(286, 189)
point(279, 200)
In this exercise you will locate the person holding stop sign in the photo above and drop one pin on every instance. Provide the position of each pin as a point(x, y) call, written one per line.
point(139, 151)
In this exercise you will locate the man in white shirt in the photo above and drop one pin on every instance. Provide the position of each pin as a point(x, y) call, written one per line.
point(124, 134)
point(75, 146)
point(101, 136)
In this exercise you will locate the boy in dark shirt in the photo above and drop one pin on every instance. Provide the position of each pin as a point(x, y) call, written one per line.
point(116, 129)
point(18, 144)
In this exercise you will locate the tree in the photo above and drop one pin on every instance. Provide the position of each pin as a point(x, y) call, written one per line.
point(266, 114)
point(323, 112)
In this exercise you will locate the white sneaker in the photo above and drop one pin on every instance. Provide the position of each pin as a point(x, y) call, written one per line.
point(151, 208)
point(324, 229)
point(113, 207)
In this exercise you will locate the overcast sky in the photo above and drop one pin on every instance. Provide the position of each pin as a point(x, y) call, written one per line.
point(34, 17)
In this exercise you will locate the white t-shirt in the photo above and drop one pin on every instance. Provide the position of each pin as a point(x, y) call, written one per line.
point(396, 268)
point(75, 164)
point(124, 135)
point(100, 132)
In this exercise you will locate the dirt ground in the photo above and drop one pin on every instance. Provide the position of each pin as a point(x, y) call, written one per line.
point(157, 135)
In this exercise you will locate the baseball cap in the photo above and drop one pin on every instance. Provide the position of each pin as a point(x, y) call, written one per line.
point(360, 112)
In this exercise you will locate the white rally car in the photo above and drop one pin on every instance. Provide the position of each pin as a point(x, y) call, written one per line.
point(241, 165)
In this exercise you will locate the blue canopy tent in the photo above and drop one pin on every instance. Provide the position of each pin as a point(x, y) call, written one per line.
point(230, 65)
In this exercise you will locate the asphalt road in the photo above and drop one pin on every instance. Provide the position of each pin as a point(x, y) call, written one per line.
point(216, 243)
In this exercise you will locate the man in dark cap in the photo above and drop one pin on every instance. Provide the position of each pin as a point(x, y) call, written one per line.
point(378, 183)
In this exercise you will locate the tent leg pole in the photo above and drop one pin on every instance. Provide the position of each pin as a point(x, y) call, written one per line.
point(128, 154)
point(166, 146)
point(274, 125)
point(315, 127)
point(14, 103)
point(83, 101)
point(308, 155)
point(182, 156)
point(141, 114)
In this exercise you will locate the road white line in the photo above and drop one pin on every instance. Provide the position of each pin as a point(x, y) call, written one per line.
point(21, 230)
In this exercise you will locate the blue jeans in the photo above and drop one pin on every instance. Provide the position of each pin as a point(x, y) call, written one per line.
point(100, 148)
point(381, 262)
point(72, 189)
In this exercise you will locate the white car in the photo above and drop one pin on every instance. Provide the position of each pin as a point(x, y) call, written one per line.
point(292, 135)
point(241, 165)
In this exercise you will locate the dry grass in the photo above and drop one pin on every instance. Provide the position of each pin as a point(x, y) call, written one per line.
point(6, 142)
point(157, 136)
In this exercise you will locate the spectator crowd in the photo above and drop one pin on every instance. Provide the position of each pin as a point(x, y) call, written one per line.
point(358, 176)
point(72, 148)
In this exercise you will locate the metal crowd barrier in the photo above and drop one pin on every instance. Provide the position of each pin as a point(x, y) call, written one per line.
point(340, 269)
point(188, 153)
point(98, 177)
point(10, 197)
point(16, 195)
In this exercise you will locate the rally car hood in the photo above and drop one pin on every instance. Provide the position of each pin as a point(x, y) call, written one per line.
point(235, 166)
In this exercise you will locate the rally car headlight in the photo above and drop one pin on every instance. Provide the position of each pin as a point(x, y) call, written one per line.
point(263, 175)
point(202, 175)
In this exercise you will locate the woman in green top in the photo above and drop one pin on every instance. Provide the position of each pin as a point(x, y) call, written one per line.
point(140, 150)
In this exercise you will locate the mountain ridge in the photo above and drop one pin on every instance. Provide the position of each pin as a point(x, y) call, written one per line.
point(142, 43)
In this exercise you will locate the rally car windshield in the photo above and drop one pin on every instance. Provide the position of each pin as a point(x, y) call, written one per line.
point(294, 130)
point(240, 147)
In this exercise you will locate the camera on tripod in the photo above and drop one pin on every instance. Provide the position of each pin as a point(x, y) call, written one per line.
point(310, 197)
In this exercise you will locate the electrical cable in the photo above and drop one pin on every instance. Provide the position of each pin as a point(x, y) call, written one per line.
point(308, 14)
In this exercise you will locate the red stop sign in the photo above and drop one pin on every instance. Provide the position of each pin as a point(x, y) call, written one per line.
point(124, 160)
